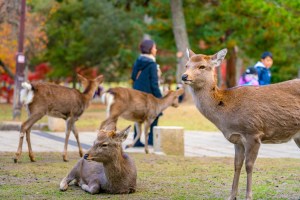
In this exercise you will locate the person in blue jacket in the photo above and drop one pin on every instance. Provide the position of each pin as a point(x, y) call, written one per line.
point(263, 68)
point(145, 78)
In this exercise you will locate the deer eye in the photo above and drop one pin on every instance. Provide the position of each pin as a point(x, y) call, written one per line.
point(104, 145)
point(201, 67)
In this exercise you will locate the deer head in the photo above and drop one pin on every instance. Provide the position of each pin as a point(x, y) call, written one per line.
point(200, 68)
point(176, 95)
point(88, 83)
point(107, 146)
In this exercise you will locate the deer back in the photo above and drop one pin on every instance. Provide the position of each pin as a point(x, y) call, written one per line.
point(48, 97)
point(56, 100)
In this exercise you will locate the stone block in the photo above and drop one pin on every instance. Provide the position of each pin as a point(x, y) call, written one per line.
point(56, 124)
point(168, 140)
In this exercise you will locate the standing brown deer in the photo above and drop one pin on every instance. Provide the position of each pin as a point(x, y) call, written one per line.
point(57, 101)
point(105, 167)
point(248, 115)
point(137, 106)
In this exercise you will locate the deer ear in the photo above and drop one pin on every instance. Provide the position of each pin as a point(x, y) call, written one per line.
point(82, 80)
point(189, 53)
point(218, 57)
point(122, 135)
point(80, 77)
point(99, 79)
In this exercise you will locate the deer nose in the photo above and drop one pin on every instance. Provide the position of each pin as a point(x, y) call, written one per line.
point(86, 156)
point(184, 77)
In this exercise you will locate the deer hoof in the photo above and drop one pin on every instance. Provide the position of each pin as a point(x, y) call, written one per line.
point(85, 187)
point(15, 160)
point(32, 159)
point(147, 151)
point(63, 185)
point(65, 158)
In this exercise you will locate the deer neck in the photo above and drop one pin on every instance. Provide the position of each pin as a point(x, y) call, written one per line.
point(164, 103)
point(88, 93)
point(115, 170)
point(209, 100)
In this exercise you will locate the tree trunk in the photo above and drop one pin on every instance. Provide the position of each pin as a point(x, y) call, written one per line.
point(230, 68)
point(181, 40)
point(20, 64)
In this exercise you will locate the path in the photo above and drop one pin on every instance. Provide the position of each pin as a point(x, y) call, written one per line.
point(197, 143)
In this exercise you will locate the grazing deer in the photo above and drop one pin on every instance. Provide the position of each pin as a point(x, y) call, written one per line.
point(137, 106)
point(57, 101)
point(248, 115)
point(105, 167)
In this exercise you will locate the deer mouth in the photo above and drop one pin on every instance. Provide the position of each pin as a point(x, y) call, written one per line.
point(188, 82)
point(88, 157)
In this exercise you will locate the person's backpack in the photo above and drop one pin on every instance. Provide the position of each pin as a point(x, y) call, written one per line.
point(249, 77)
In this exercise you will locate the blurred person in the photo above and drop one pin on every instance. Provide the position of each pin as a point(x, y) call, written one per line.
point(145, 76)
point(263, 68)
point(249, 77)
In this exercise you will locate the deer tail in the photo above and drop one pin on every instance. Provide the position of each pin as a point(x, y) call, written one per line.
point(107, 98)
point(26, 94)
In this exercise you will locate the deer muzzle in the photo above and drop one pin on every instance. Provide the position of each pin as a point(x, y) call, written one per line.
point(86, 156)
point(184, 77)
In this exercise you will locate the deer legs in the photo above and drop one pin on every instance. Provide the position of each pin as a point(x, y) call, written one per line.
point(138, 127)
point(251, 148)
point(25, 128)
point(64, 184)
point(146, 131)
point(92, 187)
point(70, 126)
point(238, 163)
point(139, 133)
point(247, 151)
point(30, 152)
point(297, 140)
point(75, 132)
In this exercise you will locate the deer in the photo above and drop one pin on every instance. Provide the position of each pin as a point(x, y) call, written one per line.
point(246, 115)
point(44, 98)
point(105, 167)
point(136, 106)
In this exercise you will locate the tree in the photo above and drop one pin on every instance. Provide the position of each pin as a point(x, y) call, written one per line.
point(252, 26)
point(90, 33)
point(180, 35)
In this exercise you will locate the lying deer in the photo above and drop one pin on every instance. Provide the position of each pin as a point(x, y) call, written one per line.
point(105, 167)
point(248, 115)
point(57, 101)
point(136, 106)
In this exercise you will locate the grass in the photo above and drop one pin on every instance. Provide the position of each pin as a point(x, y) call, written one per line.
point(159, 177)
point(95, 114)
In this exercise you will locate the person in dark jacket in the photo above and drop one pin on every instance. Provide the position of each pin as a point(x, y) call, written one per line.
point(263, 68)
point(145, 78)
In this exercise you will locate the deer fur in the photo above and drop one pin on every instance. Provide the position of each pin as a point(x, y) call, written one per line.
point(105, 167)
point(137, 106)
point(54, 100)
point(246, 115)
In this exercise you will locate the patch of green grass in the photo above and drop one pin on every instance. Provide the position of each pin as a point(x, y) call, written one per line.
point(159, 177)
